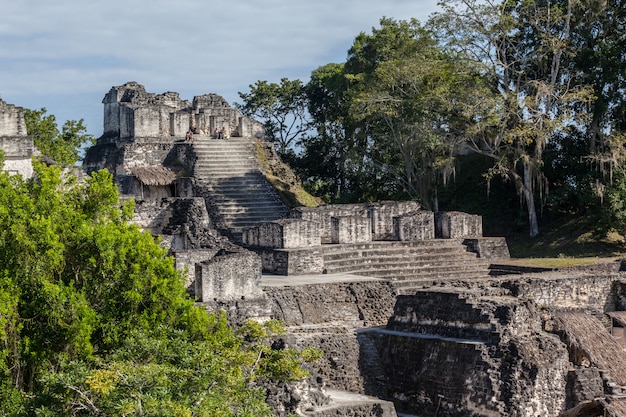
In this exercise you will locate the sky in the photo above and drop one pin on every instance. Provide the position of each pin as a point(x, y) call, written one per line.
point(65, 55)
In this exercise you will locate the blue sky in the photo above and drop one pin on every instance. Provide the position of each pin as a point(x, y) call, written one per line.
point(65, 55)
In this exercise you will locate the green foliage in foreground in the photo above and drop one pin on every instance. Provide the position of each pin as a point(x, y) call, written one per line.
point(62, 146)
point(95, 320)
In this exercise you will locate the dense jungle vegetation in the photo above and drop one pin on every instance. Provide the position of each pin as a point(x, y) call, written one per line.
point(514, 110)
point(95, 319)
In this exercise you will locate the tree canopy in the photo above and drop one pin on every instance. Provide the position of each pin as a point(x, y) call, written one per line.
point(63, 146)
point(531, 85)
point(95, 319)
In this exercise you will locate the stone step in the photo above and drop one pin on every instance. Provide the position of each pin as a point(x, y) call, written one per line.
point(256, 216)
point(365, 254)
point(404, 261)
point(229, 178)
point(225, 173)
point(222, 160)
point(242, 194)
point(394, 243)
point(391, 270)
point(251, 216)
point(252, 179)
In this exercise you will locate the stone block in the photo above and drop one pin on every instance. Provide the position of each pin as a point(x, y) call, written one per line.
point(382, 216)
point(291, 261)
point(283, 234)
point(323, 215)
point(583, 384)
point(488, 247)
point(229, 276)
point(418, 225)
point(186, 260)
point(458, 225)
point(11, 120)
point(351, 229)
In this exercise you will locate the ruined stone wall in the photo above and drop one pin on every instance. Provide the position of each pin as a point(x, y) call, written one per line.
point(283, 234)
point(458, 225)
point(229, 276)
point(356, 304)
point(350, 229)
point(488, 247)
point(383, 213)
point(591, 292)
point(143, 154)
point(186, 260)
point(325, 316)
point(18, 148)
point(461, 315)
point(418, 225)
point(132, 113)
point(11, 120)
point(292, 261)
point(456, 354)
point(323, 216)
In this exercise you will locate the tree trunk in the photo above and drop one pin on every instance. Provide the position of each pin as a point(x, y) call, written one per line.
point(530, 202)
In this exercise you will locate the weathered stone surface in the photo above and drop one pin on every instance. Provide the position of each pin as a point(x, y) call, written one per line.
point(355, 304)
point(583, 384)
point(488, 247)
point(589, 292)
point(417, 225)
point(383, 213)
point(480, 357)
point(229, 276)
point(292, 261)
point(283, 234)
point(17, 146)
point(350, 229)
point(322, 216)
point(131, 112)
point(458, 225)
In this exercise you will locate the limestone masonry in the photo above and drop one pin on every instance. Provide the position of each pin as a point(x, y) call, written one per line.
point(17, 146)
point(416, 312)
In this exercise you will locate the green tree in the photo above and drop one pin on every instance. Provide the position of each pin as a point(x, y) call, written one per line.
point(409, 101)
point(63, 146)
point(520, 47)
point(328, 160)
point(281, 107)
point(94, 316)
point(164, 372)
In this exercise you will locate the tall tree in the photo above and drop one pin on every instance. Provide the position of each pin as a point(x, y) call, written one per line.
point(404, 91)
point(520, 47)
point(63, 146)
point(281, 107)
point(328, 161)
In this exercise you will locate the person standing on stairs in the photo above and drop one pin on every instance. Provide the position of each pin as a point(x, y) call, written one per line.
point(189, 136)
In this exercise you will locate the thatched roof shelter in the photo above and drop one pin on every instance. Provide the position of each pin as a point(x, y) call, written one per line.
point(618, 317)
point(154, 175)
point(588, 336)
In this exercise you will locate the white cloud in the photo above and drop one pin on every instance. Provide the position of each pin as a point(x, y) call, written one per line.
point(71, 50)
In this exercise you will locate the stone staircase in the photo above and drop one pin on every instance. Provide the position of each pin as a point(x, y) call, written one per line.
point(237, 194)
point(407, 264)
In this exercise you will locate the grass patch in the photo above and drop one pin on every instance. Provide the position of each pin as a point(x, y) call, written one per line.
point(563, 262)
point(567, 239)
point(283, 179)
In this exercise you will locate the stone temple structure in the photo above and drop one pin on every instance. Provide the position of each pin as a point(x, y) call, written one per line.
point(17, 146)
point(417, 313)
